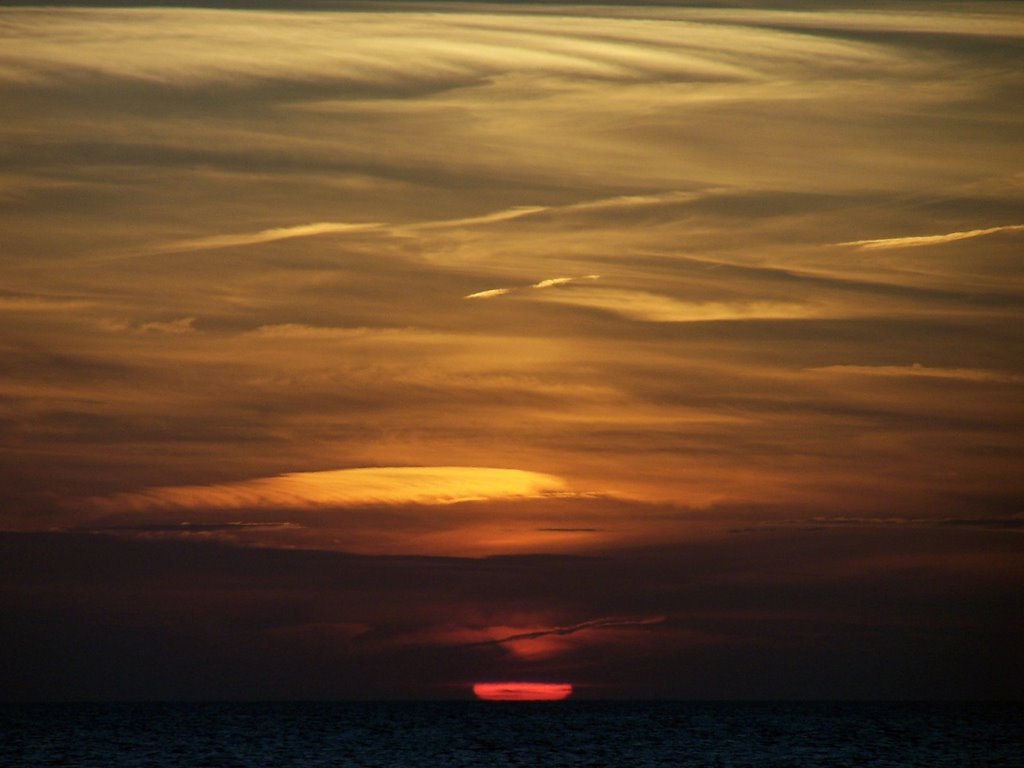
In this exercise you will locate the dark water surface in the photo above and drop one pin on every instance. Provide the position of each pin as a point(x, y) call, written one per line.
point(573, 733)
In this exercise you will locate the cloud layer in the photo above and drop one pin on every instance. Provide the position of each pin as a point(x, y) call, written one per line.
point(671, 294)
point(345, 487)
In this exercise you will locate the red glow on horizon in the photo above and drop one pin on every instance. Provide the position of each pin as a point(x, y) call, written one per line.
point(522, 691)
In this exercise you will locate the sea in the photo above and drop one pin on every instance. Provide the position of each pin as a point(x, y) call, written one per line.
point(566, 733)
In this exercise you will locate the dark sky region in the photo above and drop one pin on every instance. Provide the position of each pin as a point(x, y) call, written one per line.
point(357, 351)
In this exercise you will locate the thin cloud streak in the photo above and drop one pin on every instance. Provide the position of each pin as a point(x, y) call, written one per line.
point(918, 370)
point(594, 624)
point(263, 236)
point(923, 240)
point(651, 307)
point(552, 282)
point(496, 217)
point(490, 293)
point(34, 304)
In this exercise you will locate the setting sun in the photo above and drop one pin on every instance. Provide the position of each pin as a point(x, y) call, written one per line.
point(522, 691)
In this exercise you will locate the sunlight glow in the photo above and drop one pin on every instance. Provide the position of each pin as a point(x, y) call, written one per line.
point(522, 691)
point(347, 487)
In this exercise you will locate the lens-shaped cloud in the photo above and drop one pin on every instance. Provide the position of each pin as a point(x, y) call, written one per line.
point(346, 487)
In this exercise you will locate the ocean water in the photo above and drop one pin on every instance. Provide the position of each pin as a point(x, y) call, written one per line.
point(571, 733)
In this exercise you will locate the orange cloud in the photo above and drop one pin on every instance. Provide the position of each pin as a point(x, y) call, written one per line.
point(346, 487)
point(916, 242)
point(918, 370)
point(657, 308)
point(262, 236)
point(550, 282)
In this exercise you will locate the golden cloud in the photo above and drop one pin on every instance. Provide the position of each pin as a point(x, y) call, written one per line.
point(918, 370)
point(657, 308)
point(262, 236)
point(345, 487)
point(916, 242)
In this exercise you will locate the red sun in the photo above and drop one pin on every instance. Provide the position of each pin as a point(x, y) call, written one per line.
point(522, 691)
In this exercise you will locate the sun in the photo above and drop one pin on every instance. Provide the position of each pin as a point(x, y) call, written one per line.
point(508, 691)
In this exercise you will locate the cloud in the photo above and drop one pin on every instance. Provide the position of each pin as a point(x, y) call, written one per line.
point(193, 46)
point(186, 528)
point(489, 293)
point(18, 303)
point(181, 325)
point(496, 217)
point(650, 307)
point(1010, 523)
point(602, 206)
point(1014, 523)
point(918, 241)
point(345, 487)
point(918, 370)
point(996, 23)
point(531, 643)
point(593, 624)
point(262, 236)
point(552, 282)
point(692, 164)
point(288, 331)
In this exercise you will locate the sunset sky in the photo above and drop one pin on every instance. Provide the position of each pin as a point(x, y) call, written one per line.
point(381, 350)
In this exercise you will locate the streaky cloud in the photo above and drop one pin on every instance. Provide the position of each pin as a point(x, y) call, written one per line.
point(603, 623)
point(508, 214)
point(918, 370)
point(262, 236)
point(599, 205)
point(289, 331)
point(489, 294)
point(922, 240)
point(457, 48)
point(343, 488)
point(19, 303)
point(645, 306)
point(552, 282)
point(185, 527)
point(995, 22)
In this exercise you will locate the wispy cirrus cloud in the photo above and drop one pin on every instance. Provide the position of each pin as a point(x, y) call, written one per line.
point(923, 240)
point(614, 622)
point(917, 370)
point(534, 641)
point(646, 306)
point(551, 282)
point(262, 236)
point(490, 293)
point(344, 487)
point(496, 217)
point(185, 528)
point(457, 49)
point(703, 183)
point(290, 331)
point(999, 22)
point(38, 303)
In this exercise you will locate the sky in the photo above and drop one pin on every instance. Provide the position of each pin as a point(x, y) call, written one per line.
point(382, 350)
